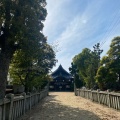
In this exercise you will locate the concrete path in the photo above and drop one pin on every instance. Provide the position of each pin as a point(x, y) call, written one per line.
point(66, 106)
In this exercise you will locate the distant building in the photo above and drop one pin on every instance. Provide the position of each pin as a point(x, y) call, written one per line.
point(62, 80)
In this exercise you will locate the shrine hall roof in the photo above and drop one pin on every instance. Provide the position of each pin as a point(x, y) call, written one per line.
point(60, 71)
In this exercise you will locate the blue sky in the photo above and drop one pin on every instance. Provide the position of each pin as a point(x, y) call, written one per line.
point(76, 24)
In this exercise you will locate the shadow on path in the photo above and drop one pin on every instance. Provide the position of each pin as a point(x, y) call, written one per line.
point(52, 109)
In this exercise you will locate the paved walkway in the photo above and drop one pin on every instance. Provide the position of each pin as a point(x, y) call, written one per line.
point(66, 106)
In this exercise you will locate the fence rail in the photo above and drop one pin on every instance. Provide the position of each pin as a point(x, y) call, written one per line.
point(13, 107)
point(109, 99)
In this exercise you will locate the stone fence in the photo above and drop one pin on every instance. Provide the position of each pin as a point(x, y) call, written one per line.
point(12, 107)
point(109, 99)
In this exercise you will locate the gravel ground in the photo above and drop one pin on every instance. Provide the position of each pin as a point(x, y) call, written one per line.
point(66, 106)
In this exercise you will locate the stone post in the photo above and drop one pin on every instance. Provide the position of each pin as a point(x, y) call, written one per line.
point(39, 97)
point(4, 111)
point(30, 102)
point(75, 89)
point(0, 112)
point(29, 99)
point(48, 88)
point(91, 95)
point(108, 92)
point(78, 91)
point(24, 95)
point(11, 97)
point(98, 90)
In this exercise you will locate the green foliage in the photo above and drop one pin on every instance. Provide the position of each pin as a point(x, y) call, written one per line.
point(73, 69)
point(101, 77)
point(87, 63)
point(108, 75)
point(32, 70)
point(74, 72)
point(84, 65)
point(78, 81)
point(21, 25)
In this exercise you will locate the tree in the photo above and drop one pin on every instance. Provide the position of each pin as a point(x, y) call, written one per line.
point(74, 72)
point(101, 77)
point(21, 26)
point(30, 70)
point(87, 63)
point(114, 55)
point(84, 65)
point(109, 72)
point(96, 56)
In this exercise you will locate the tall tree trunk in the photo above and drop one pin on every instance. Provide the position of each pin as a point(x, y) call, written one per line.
point(4, 66)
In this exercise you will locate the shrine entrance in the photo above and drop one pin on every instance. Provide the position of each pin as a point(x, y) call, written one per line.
point(62, 80)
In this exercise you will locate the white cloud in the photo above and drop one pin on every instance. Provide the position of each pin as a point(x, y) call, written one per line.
point(84, 21)
point(56, 19)
point(76, 31)
point(65, 61)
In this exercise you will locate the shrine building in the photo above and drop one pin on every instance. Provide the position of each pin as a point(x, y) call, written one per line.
point(62, 80)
